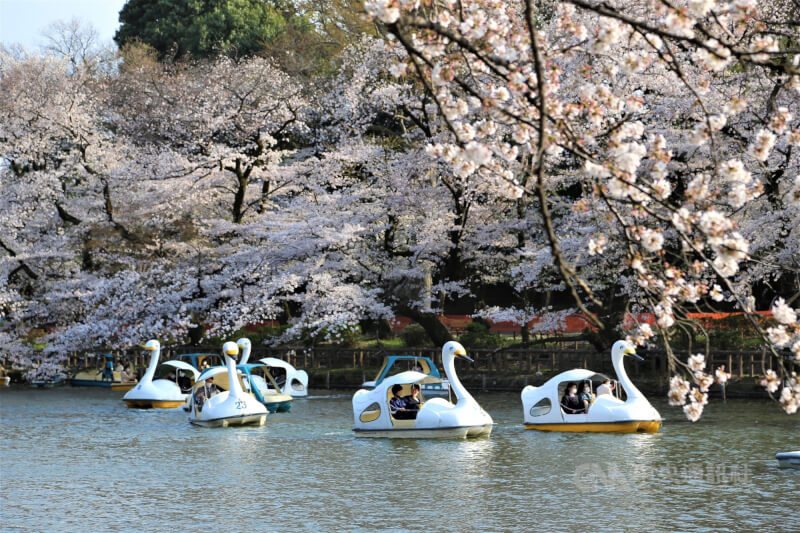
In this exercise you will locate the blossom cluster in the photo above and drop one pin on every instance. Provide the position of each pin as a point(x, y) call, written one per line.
point(693, 396)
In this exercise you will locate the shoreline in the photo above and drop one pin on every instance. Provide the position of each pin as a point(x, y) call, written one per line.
point(483, 381)
point(351, 379)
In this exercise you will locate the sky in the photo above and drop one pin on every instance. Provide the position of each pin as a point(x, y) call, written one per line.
point(22, 21)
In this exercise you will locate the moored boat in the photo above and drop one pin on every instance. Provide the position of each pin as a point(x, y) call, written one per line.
point(46, 383)
point(105, 376)
point(123, 386)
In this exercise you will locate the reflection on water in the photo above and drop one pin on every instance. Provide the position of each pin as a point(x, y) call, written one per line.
point(78, 459)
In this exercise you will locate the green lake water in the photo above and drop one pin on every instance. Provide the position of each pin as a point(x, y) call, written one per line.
point(79, 460)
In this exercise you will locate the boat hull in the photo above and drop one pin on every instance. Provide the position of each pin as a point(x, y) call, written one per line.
point(278, 407)
point(45, 384)
point(92, 383)
point(4, 381)
point(458, 432)
point(246, 420)
point(625, 426)
point(154, 404)
point(123, 387)
point(788, 459)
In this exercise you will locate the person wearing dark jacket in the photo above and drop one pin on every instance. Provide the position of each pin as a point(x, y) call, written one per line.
point(413, 400)
point(571, 403)
point(397, 405)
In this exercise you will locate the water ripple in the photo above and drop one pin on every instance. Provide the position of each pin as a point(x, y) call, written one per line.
point(78, 460)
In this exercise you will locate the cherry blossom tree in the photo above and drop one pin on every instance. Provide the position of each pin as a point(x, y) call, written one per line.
point(647, 134)
point(599, 158)
point(61, 172)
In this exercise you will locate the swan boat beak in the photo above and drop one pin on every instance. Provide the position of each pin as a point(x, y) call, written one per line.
point(463, 354)
point(632, 353)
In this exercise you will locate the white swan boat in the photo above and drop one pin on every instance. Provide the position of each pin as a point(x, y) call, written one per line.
point(288, 379)
point(542, 407)
point(292, 381)
point(158, 393)
point(436, 418)
point(788, 459)
point(230, 407)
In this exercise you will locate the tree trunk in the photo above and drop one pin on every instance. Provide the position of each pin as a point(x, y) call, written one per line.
point(437, 331)
point(242, 180)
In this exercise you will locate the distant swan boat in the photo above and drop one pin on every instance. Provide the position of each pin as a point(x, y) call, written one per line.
point(159, 393)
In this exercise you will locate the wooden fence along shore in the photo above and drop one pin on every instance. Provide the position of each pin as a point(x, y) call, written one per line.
point(532, 366)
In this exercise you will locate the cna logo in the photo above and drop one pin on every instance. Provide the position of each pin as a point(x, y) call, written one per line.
point(591, 477)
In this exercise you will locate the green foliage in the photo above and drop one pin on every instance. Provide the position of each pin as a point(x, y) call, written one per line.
point(395, 342)
point(257, 337)
point(730, 333)
point(350, 337)
point(415, 336)
point(478, 336)
point(201, 28)
point(345, 335)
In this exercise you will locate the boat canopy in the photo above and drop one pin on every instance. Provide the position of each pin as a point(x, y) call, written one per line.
point(220, 372)
point(579, 374)
point(212, 372)
point(183, 366)
point(264, 369)
point(196, 359)
point(279, 363)
point(425, 363)
point(407, 377)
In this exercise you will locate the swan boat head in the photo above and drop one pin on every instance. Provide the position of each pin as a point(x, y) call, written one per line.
point(245, 346)
point(466, 411)
point(622, 348)
point(229, 351)
point(453, 350)
point(619, 351)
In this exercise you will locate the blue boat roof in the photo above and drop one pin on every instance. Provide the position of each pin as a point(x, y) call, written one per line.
point(390, 360)
point(399, 357)
point(249, 366)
